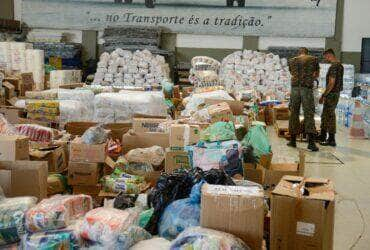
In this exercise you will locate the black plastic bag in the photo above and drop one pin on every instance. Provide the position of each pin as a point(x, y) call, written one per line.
point(123, 201)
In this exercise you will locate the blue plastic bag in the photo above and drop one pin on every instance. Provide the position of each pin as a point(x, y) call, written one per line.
point(181, 214)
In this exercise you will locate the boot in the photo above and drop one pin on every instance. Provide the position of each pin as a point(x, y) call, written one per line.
point(322, 136)
point(311, 143)
point(293, 141)
point(330, 141)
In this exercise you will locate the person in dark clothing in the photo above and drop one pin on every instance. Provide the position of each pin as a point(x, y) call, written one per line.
point(330, 98)
point(304, 70)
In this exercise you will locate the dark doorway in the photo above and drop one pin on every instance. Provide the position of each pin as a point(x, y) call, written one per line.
point(365, 56)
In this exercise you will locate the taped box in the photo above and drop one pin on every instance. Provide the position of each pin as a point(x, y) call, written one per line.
point(237, 210)
point(133, 140)
point(92, 153)
point(176, 159)
point(14, 147)
point(84, 174)
point(55, 156)
point(182, 135)
point(302, 214)
point(147, 124)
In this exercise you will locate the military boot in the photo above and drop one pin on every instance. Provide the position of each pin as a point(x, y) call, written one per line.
point(293, 141)
point(322, 136)
point(311, 143)
point(330, 141)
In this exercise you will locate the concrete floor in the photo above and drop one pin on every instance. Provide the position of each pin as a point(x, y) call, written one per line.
point(348, 165)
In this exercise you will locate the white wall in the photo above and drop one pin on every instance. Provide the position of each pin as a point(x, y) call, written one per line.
point(356, 24)
point(209, 41)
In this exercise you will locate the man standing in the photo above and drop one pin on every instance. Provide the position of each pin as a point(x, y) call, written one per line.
point(330, 98)
point(304, 70)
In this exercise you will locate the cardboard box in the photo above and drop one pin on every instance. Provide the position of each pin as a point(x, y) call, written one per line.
point(281, 112)
point(132, 140)
point(302, 221)
point(271, 176)
point(81, 152)
point(55, 156)
point(175, 160)
point(24, 178)
point(146, 124)
point(88, 190)
point(14, 148)
point(182, 135)
point(11, 114)
point(84, 174)
point(234, 209)
point(220, 112)
point(9, 90)
point(237, 107)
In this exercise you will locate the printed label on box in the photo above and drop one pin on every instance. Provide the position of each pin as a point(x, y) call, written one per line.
point(306, 229)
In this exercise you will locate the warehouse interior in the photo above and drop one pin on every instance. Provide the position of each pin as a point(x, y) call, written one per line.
point(164, 124)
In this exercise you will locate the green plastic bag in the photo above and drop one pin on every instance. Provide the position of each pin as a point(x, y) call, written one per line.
point(219, 131)
point(145, 217)
point(257, 138)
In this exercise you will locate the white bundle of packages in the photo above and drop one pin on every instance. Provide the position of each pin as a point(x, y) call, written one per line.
point(266, 73)
point(72, 111)
point(119, 107)
point(348, 77)
point(124, 68)
point(35, 64)
point(204, 71)
point(18, 55)
point(195, 100)
point(83, 96)
point(5, 56)
point(62, 77)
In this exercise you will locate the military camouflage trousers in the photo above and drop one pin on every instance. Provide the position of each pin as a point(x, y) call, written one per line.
point(328, 118)
point(302, 96)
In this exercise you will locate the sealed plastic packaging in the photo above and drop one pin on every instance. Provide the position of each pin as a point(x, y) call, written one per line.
point(12, 213)
point(104, 225)
point(57, 212)
point(219, 131)
point(153, 244)
point(204, 238)
point(36, 132)
point(95, 135)
point(119, 181)
point(153, 155)
point(257, 138)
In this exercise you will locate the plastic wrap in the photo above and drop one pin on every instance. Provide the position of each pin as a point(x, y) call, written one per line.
point(204, 238)
point(18, 55)
point(57, 212)
point(144, 217)
point(119, 181)
point(118, 107)
point(197, 99)
point(219, 131)
point(153, 155)
point(67, 238)
point(181, 214)
point(12, 213)
point(257, 138)
point(5, 127)
point(95, 135)
point(5, 56)
point(43, 110)
point(36, 132)
point(140, 169)
point(62, 77)
point(225, 155)
point(84, 96)
point(105, 225)
point(152, 244)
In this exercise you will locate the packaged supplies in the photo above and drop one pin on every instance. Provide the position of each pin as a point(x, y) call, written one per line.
point(63, 77)
point(57, 184)
point(119, 181)
point(131, 236)
point(95, 135)
point(57, 212)
point(12, 213)
point(5, 127)
point(84, 96)
point(219, 131)
point(67, 238)
point(145, 217)
point(104, 225)
point(181, 214)
point(140, 169)
point(153, 244)
point(193, 102)
point(36, 132)
point(218, 155)
point(257, 138)
point(204, 238)
point(153, 155)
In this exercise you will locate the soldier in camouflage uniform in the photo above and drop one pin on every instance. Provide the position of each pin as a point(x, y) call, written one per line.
point(330, 98)
point(304, 70)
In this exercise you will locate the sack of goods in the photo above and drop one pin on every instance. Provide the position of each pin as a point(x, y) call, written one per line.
point(204, 71)
point(124, 68)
